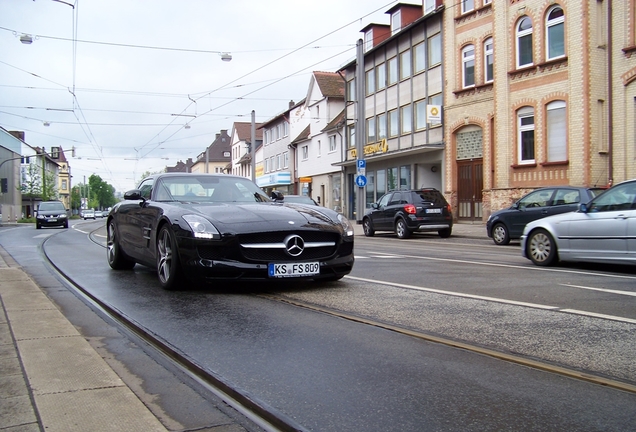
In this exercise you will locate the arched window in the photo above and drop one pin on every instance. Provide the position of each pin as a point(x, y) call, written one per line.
point(557, 131)
point(525, 135)
point(524, 42)
point(555, 33)
point(468, 66)
point(489, 60)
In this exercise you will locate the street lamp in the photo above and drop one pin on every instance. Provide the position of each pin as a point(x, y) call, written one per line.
point(26, 39)
point(226, 57)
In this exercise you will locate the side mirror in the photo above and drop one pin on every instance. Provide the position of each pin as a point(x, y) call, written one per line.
point(583, 208)
point(277, 195)
point(375, 206)
point(134, 194)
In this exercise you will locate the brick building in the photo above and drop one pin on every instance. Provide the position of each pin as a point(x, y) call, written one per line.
point(538, 92)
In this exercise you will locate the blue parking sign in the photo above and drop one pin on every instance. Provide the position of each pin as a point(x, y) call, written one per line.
point(362, 163)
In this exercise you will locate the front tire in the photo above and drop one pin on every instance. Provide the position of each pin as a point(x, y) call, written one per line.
point(500, 235)
point(116, 258)
point(401, 230)
point(541, 248)
point(368, 227)
point(168, 266)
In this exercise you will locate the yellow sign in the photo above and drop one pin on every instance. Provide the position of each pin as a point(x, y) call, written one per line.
point(305, 179)
point(369, 149)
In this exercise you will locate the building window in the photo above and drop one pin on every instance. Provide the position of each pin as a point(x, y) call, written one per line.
point(468, 66)
point(555, 32)
point(305, 152)
point(396, 22)
point(429, 6)
point(434, 50)
point(468, 5)
point(381, 127)
point(317, 113)
point(393, 70)
point(319, 148)
point(286, 160)
point(419, 57)
point(407, 119)
point(370, 81)
point(64, 185)
point(420, 115)
point(487, 2)
point(524, 42)
point(371, 138)
point(285, 128)
point(380, 75)
point(278, 161)
point(352, 136)
point(525, 125)
point(394, 125)
point(557, 131)
point(405, 64)
point(368, 40)
point(332, 143)
point(489, 60)
point(351, 90)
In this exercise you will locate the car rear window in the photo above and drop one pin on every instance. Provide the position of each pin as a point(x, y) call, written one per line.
point(432, 196)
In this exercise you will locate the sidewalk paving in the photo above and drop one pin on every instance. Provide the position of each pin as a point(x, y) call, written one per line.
point(52, 379)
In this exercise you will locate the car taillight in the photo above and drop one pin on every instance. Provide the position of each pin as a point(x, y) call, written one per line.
point(410, 209)
point(448, 208)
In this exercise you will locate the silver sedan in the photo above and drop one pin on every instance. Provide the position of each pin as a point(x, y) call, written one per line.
point(602, 231)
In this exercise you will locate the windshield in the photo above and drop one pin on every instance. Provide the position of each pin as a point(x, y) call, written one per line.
point(52, 206)
point(201, 189)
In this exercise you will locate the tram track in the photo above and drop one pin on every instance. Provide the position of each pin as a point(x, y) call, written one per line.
point(255, 410)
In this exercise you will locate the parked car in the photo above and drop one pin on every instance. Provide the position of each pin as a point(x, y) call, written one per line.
point(300, 199)
point(407, 211)
point(98, 214)
point(88, 214)
point(600, 231)
point(50, 214)
point(507, 224)
point(214, 226)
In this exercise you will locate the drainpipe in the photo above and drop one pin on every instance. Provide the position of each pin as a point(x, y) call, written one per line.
point(610, 97)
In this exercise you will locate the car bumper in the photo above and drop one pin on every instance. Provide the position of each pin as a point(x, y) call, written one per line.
point(51, 223)
point(198, 267)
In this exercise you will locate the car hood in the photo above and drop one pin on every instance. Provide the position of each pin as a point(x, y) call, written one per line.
point(51, 212)
point(245, 218)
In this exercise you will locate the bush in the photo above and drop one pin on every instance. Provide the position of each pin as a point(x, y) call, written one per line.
point(26, 220)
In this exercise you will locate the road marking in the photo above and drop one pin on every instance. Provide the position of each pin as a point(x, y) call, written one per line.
point(627, 293)
point(514, 266)
point(496, 300)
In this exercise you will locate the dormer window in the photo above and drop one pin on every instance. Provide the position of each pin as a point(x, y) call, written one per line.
point(368, 40)
point(396, 22)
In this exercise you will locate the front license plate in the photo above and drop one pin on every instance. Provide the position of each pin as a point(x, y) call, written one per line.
point(293, 270)
point(433, 210)
point(51, 220)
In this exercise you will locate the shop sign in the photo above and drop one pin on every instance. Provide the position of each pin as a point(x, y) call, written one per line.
point(371, 149)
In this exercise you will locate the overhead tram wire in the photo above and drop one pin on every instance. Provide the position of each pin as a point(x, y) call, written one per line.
point(272, 62)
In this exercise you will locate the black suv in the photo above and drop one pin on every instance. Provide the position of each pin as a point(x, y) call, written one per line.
point(51, 213)
point(507, 224)
point(407, 211)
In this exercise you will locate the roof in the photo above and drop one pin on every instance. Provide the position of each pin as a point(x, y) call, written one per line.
point(303, 136)
point(244, 131)
point(333, 124)
point(331, 84)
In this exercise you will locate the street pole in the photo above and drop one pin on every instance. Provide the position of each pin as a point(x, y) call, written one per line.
point(360, 124)
point(253, 149)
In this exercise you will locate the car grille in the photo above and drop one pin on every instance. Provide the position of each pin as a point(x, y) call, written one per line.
point(270, 247)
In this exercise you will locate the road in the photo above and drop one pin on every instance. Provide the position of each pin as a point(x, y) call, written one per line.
point(424, 334)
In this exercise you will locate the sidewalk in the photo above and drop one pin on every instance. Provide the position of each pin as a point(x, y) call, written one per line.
point(52, 379)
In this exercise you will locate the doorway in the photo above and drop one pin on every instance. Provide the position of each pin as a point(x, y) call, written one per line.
point(469, 189)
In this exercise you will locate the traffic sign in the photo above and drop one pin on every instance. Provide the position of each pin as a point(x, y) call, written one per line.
point(361, 181)
point(362, 163)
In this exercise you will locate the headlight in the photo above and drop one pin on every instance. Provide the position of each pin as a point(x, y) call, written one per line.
point(40, 216)
point(201, 227)
point(62, 216)
point(346, 225)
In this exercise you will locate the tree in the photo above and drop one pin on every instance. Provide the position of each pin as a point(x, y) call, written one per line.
point(102, 194)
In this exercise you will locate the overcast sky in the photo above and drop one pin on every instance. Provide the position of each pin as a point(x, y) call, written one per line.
point(141, 69)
